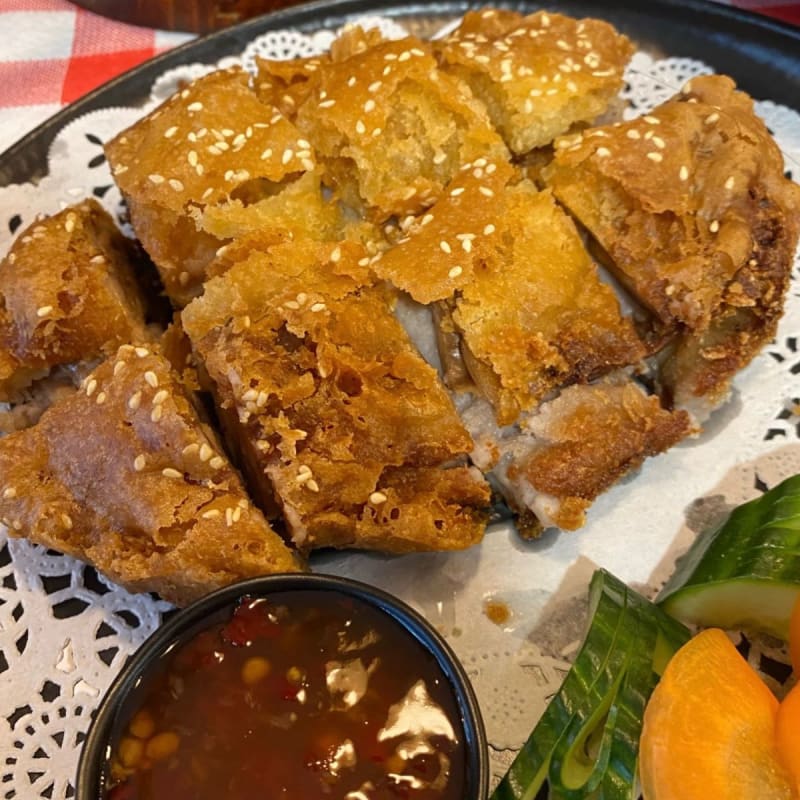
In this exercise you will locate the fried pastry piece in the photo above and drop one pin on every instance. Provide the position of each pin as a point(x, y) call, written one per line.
point(538, 75)
point(572, 448)
point(353, 430)
point(391, 128)
point(213, 149)
point(124, 475)
point(68, 294)
point(521, 290)
point(693, 211)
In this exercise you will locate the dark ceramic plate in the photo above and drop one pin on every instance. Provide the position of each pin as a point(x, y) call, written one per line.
point(762, 55)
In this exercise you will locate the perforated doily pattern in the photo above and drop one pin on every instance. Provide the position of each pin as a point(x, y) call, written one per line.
point(57, 658)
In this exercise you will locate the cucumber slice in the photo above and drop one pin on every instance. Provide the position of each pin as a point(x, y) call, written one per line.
point(746, 572)
point(586, 743)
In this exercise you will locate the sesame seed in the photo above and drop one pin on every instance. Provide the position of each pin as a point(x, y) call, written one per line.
point(156, 413)
point(684, 173)
point(205, 452)
point(170, 132)
point(66, 521)
point(237, 514)
point(169, 472)
point(292, 304)
point(466, 245)
point(659, 142)
point(288, 155)
point(327, 104)
point(141, 351)
point(196, 106)
point(426, 219)
point(360, 127)
point(10, 493)
point(712, 118)
point(729, 183)
point(69, 225)
point(155, 178)
point(90, 387)
point(43, 311)
point(211, 514)
point(602, 152)
point(655, 157)
point(229, 517)
point(217, 462)
point(489, 229)
point(633, 134)
point(714, 226)
point(445, 247)
point(652, 120)
point(101, 398)
point(118, 367)
point(139, 463)
point(312, 485)
point(160, 396)
point(369, 105)
point(190, 449)
point(318, 307)
point(376, 498)
point(192, 158)
point(486, 191)
point(454, 272)
point(176, 184)
point(336, 255)
point(135, 401)
point(151, 378)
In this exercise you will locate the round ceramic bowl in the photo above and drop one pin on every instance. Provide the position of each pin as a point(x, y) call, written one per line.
point(120, 701)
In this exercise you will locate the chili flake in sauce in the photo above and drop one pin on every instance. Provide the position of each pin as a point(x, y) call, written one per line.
point(303, 696)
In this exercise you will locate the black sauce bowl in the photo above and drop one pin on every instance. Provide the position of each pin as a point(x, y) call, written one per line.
point(185, 624)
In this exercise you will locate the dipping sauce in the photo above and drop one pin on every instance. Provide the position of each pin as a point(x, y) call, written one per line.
point(307, 695)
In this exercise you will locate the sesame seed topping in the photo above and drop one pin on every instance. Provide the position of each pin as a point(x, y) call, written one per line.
point(170, 132)
point(312, 485)
point(376, 498)
point(139, 463)
point(211, 514)
point(651, 120)
point(101, 398)
point(714, 226)
point(9, 493)
point(135, 401)
point(602, 152)
point(205, 452)
point(489, 229)
point(169, 472)
point(151, 378)
point(160, 396)
point(336, 254)
point(190, 449)
point(684, 173)
point(633, 134)
point(712, 118)
point(729, 183)
point(318, 307)
point(118, 367)
point(327, 103)
point(655, 157)
point(486, 191)
point(43, 311)
point(217, 462)
point(156, 413)
point(69, 225)
point(192, 158)
point(369, 105)
point(457, 191)
point(90, 387)
point(454, 272)
point(229, 517)
point(141, 351)
point(659, 142)
point(445, 247)
point(66, 521)
point(196, 106)
point(466, 245)
point(176, 184)
point(360, 127)
point(155, 178)
point(288, 155)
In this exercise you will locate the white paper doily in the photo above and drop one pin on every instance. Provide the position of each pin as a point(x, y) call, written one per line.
point(54, 667)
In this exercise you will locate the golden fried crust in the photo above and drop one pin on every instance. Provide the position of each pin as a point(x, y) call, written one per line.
point(588, 438)
point(124, 475)
point(538, 75)
point(392, 128)
point(336, 403)
point(212, 143)
point(67, 294)
point(691, 205)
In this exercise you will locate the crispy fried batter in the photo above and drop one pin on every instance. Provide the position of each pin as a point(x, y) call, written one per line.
point(692, 208)
point(124, 475)
point(393, 129)
point(67, 295)
point(211, 148)
point(521, 289)
point(349, 424)
point(579, 444)
point(537, 75)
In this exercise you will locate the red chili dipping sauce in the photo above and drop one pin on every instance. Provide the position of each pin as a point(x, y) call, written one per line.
point(306, 696)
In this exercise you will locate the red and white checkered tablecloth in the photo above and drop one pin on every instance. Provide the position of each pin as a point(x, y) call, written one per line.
point(52, 52)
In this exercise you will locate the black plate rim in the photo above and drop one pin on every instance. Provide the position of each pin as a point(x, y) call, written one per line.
point(26, 160)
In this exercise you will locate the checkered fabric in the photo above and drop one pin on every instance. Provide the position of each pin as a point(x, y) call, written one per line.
point(52, 53)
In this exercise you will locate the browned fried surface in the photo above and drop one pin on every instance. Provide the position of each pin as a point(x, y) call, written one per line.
point(124, 475)
point(392, 129)
point(692, 208)
point(587, 439)
point(350, 425)
point(537, 75)
point(67, 294)
point(523, 293)
point(212, 145)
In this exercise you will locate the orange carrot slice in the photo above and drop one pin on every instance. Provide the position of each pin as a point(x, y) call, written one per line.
point(709, 729)
point(787, 730)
